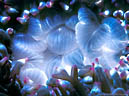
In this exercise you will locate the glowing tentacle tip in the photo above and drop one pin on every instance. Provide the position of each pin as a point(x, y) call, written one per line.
point(87, 79)
point(121, 62)
point(21, 20)
point(105, 13)
point(118, 14)
point(26, 13)
point(93, 64)
point(34, 11)
point(99, 3)
point(49, 4)
point(24, 60)
point(4, 19)
point(26, 79)
point(126, 15)
point(116, 68)
point(96, 60)
point(10, 31)
point(12, 10)
point(41, 5)
point(64, 6)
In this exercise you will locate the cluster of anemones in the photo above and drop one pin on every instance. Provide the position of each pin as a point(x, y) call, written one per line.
point(90, 80)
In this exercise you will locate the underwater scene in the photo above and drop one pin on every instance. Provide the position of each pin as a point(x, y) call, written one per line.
point(64, 47)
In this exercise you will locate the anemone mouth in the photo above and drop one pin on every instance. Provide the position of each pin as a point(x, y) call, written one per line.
point(51, 24)
point(59, 26)
point(64, 40)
